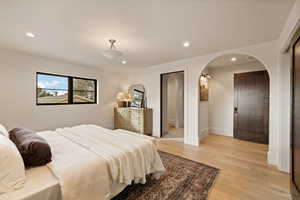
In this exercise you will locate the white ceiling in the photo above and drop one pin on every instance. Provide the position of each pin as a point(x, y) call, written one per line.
point(224, 61)
point(149, 32)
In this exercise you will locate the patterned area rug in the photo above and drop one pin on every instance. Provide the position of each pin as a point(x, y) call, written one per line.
point(184, 180)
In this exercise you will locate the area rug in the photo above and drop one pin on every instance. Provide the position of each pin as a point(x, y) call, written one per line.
point(184, 180)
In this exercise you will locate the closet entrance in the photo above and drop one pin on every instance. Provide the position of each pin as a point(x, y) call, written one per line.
point(172, 105)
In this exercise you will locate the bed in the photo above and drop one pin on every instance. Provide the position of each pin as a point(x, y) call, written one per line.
point(90, 162)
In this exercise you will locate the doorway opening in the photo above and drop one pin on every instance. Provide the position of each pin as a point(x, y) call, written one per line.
point(172, 105)
point(234, 98)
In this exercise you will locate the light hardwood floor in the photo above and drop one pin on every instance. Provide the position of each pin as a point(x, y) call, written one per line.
point(244, 175)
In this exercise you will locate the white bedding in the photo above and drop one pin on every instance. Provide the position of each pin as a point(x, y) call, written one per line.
point(142, 136)
point(90, 162)
point(81, 174)
point(129, 157)
point(88, 159)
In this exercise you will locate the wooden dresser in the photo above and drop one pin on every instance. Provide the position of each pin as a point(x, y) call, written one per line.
point(137, 120)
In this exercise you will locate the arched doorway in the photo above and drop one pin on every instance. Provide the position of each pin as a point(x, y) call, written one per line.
point(234, 98)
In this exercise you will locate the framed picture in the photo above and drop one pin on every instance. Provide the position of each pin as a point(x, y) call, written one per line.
point(203, 89)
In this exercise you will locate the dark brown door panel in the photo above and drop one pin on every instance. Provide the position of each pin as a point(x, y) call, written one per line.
point(251, 106)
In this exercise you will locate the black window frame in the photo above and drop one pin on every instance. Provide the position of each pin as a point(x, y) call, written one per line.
point(70, 90)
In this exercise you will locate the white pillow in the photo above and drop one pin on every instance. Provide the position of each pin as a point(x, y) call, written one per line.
point(3, 131)
point(12, 170)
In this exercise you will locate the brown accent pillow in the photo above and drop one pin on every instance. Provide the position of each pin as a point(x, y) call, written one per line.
point(34, 149)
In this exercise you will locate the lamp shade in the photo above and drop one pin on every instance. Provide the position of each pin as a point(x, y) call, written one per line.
point(111, 54)
point(121, 96)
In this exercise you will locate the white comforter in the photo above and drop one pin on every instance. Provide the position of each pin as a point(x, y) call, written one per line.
point(129, 157)
point(81, 174)
point(87, 158)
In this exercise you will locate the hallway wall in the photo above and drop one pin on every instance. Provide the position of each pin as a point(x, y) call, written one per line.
point(221, 101)
point(203, 113)
point(172, 100)
point(150, 78)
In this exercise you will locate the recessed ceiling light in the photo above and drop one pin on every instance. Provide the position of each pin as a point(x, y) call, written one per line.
point(124, 62)
point(29, 34)
point(233, 59)
point(186, 44)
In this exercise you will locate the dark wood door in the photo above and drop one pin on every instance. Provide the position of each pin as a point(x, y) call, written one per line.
point(295, 137)
point(251, 106)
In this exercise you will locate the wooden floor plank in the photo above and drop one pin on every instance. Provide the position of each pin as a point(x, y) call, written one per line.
point(245, 173)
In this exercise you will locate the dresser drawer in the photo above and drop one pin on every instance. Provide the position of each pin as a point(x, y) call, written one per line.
point(138, 120)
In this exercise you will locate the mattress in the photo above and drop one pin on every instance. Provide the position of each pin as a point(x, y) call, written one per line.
point(41, 184)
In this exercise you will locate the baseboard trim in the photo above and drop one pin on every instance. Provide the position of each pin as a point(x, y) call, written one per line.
point(220, 131)
point(172, 139)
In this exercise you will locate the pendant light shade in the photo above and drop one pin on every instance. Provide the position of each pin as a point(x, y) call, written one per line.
point(112, 53)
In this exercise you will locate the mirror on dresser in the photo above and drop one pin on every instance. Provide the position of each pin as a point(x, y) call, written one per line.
point(137, 95)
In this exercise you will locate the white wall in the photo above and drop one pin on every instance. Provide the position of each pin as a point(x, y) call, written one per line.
point(221, 101)
point(267, 53)
point(172, 99)
point(18, 97)
point(285, 112)
point(203, 113)
point(284, 65)
point(150, 77)
point(175, 107)
point(203, 116)
point(180, 101)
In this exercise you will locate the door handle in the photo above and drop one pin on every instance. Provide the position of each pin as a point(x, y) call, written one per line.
point(235, 110)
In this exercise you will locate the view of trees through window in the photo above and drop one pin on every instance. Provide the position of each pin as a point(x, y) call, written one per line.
point(57, 89)
point(83, 90)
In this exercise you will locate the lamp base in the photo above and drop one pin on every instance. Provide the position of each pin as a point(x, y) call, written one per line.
point(121, 104)
point(124, 104)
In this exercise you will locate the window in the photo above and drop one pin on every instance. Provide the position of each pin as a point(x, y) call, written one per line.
point(55, 89)
point(84, 90)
